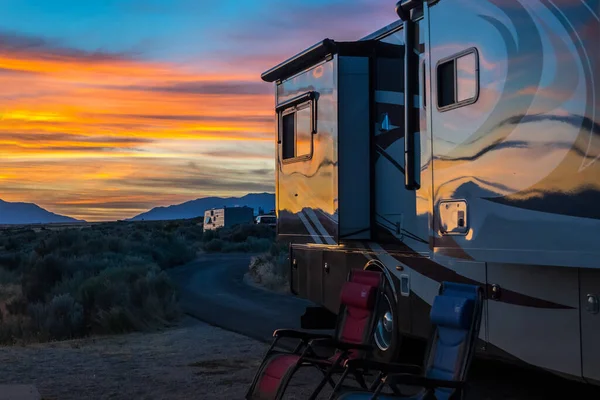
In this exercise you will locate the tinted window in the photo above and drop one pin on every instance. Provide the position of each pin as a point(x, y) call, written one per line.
point(446, 84)
point(287, 139)
point(458, 81)
point(297, 131)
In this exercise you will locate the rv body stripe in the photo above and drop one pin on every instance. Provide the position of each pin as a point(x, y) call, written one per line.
point(329, 217)
point(426, 268)
point(313, 218)
point(310, 229)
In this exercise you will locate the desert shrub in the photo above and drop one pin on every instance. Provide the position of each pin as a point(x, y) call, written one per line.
point(258, 244)
point(251, 244)
point(254, 238)
point(174, 252)
point(70, 284)
point(11, 261)
point(210, 235)
point(128, 298)
point(41, 276)
point(17, 306)
point(8, 276)
point(242, 232)
point(14, 328)
point(215, 245)
point(61, 318)
point(117, 320)
point(270, 271)
point(109, 274)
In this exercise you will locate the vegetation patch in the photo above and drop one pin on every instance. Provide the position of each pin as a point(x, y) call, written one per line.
point(105, 278)
point(98, 279)
point(245, 238)
point(271, 269)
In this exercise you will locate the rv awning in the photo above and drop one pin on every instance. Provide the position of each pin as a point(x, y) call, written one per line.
point(319, 52)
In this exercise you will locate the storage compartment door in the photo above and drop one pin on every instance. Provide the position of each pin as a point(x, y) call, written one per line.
point(533, 315)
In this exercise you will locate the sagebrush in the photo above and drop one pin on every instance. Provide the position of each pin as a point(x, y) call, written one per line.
point(272, 269)
point(106, 278)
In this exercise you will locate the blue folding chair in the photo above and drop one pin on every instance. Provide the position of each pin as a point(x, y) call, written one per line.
point(455, 317)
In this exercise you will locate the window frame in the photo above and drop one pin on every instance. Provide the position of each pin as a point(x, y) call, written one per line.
point(454, 58)
point(292, 106)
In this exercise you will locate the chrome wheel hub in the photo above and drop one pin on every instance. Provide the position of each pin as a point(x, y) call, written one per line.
point(384, 330)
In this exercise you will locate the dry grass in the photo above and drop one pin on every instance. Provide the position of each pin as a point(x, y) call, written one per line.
point(269, 272)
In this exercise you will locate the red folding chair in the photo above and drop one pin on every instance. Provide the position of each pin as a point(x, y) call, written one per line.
point(351, 340)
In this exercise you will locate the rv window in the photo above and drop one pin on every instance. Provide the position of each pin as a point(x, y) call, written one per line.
point(458, 80)
point(297, 132)
point(287, 136)
point(303, 132)
point(446, 84)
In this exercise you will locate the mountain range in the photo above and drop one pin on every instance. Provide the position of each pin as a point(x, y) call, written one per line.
point(196, 208)
point(29, 213)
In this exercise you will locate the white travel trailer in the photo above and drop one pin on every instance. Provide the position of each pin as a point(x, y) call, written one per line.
point(227, 217)
point(459, 144)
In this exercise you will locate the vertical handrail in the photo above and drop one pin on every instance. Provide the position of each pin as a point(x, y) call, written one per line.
point(411, 79)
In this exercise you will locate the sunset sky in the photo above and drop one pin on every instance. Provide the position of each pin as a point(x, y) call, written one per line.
point(109, 108)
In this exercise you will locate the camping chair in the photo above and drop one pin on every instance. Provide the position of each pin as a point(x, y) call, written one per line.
point(359, 298)
point(456, 317)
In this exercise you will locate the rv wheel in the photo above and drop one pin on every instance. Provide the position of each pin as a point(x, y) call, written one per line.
point(385, 335)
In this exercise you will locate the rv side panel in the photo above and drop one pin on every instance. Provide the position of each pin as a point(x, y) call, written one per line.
point(516, 104)
point(354, 148)
point(307, 185)
point(515, 123)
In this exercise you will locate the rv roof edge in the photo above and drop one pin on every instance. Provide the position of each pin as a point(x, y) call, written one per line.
point(320, 51)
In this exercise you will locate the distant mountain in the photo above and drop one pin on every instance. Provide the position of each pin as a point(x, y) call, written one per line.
point(29, 213)
point(196, 208)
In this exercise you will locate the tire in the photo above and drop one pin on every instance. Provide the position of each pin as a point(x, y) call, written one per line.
point(386, 339)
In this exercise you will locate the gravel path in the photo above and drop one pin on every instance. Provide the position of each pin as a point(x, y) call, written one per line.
point(193, 360)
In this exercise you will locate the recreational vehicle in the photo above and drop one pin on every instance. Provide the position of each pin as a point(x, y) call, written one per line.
point(227, 217)
point(460, 143)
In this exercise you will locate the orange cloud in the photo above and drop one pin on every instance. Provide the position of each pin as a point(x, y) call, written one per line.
point(104, 136)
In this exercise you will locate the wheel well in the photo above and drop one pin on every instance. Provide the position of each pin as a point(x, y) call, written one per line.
point(376, 265)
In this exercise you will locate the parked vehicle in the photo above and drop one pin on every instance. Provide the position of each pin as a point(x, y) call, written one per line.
point(459, 144)
point(227, 217)
point(270, 220)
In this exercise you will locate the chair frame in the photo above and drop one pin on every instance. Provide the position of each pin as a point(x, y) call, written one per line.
point(307, 355)
point(392, 374)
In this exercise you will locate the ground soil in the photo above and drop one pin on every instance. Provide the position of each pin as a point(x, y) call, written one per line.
point(191, 361)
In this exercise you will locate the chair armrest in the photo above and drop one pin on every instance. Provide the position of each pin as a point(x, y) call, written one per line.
point(333, 343)
point(418, 380)
point(294, 334)
point(387, 368)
